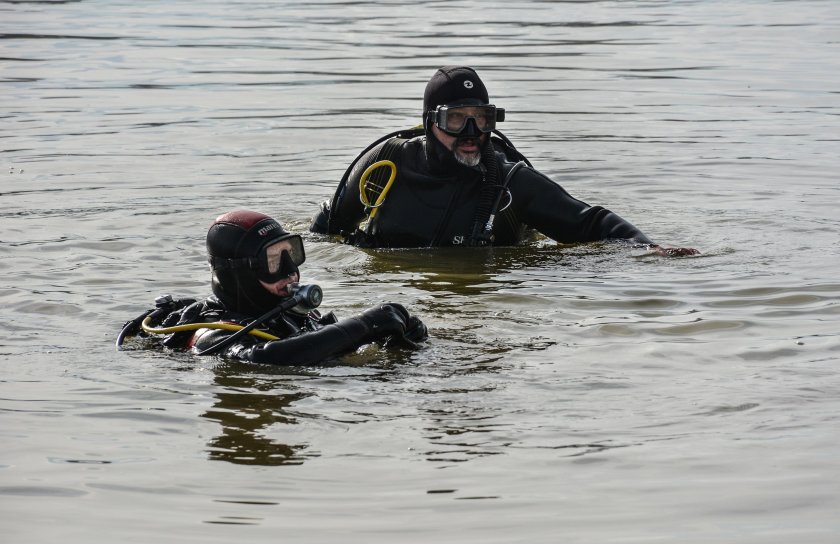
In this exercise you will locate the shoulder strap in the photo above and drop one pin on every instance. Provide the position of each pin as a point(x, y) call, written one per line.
point(339, 192)
point(390, 151)
point(377, 185)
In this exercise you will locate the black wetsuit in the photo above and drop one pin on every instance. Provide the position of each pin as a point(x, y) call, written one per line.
point(303, 338)
point(433, 202)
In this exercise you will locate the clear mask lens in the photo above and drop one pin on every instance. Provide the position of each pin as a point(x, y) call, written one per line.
point(453, 119)
point(282, 259)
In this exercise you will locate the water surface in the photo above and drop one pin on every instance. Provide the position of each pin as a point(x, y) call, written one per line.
point(587, 393)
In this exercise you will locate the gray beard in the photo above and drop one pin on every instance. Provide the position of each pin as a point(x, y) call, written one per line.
point(468, 159)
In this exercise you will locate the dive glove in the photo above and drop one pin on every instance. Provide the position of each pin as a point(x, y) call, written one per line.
point(393, 321)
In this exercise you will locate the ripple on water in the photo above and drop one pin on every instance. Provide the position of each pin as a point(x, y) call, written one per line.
point(41, 491)
point(603, 379)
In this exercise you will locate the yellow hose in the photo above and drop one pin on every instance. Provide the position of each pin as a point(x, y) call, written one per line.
point(363, 183)
point(195, 326)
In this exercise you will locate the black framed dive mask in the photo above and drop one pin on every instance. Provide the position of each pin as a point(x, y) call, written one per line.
point(453, 119)
point(276, 265)
point(272, 264)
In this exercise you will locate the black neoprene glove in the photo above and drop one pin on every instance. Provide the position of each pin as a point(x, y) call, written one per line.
point(415, 331)
point(386, 320)
point(393, 321)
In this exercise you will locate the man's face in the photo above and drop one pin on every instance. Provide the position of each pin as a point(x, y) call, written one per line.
point(467, 150)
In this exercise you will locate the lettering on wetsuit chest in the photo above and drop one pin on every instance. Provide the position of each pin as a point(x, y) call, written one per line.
point(458, 240)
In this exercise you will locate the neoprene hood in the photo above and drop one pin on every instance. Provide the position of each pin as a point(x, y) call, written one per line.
point(454, 85)
point(450, 85)
point(236, 235)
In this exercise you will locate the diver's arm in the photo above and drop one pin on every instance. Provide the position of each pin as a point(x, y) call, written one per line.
point(547, 207)
point(306, 348)
point(544, 205)
point(344, 211)
point(312, 347)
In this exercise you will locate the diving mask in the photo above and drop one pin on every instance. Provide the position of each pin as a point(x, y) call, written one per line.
point(281, 259)
point(275, 262)
point(453, 119)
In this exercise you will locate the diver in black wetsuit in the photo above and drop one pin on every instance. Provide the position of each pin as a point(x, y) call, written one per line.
point(457, 186)
point(259, 312)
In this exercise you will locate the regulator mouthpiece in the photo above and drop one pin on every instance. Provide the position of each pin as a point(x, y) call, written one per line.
point(306, 297)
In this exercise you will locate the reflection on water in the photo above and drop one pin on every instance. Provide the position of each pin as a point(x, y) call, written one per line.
point(246, 415)
point(480, 271)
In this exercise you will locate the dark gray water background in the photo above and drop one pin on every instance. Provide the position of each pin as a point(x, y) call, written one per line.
point(568, 394)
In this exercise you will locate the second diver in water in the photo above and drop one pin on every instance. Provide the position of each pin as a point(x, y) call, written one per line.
point(457, 181)
point(259, 312)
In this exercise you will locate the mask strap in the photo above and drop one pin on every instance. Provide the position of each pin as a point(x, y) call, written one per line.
point(221, 263)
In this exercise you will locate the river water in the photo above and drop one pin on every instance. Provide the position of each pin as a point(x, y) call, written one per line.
point(586, 393)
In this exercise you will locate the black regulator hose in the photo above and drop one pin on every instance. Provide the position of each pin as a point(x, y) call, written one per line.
point(308, 297)
point(132, 327)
